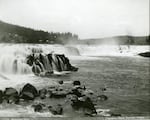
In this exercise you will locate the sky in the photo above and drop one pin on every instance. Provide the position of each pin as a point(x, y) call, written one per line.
point(87, 18)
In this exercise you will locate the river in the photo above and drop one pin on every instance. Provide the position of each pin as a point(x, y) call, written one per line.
point(124, 74)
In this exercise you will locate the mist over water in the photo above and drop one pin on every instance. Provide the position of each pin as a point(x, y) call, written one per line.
point(13, 56)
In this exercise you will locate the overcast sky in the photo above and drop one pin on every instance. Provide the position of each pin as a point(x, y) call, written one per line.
point(87, 18)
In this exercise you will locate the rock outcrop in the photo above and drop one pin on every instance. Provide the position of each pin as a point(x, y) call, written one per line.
point(49, 63)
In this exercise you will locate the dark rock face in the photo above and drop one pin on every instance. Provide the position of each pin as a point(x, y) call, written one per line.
point(48, 63)
point(145, 54)
point(56, 110)
point(1, 96)
point(11, 95)
point(102, 97)
point(30, 59)
point(29, 92)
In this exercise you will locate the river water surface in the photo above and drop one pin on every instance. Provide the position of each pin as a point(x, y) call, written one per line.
point(124, 75)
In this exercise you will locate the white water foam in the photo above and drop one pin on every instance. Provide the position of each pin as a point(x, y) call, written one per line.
point(12, 56)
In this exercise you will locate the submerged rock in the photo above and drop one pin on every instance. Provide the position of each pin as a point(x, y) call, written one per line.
point(61, 82)
point(56, 110)
point(29, 92)
point(115, 114)
point(38, 107)
point(103, 112)
point(58, 92)
point(42, 93)
point(76, 82)
point(102, 97)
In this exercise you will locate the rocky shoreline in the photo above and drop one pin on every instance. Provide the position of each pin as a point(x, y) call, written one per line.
point(77, 96)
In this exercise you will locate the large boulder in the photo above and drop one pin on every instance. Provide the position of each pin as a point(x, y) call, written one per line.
point(29, 92)
point(56, 109)
point(11, 95)
point(10, 92)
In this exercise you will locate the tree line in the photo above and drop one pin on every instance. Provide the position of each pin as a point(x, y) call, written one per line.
point(16, 34)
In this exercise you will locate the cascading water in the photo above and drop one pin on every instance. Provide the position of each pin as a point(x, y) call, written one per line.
point(13, 56)
point(12, 60)
point(111, 50)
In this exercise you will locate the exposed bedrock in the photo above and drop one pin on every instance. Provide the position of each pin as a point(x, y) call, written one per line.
point(49, 63)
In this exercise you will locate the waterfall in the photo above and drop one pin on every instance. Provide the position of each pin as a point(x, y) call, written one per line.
point(12, 60)
point(111, 50)
point(13, 57)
